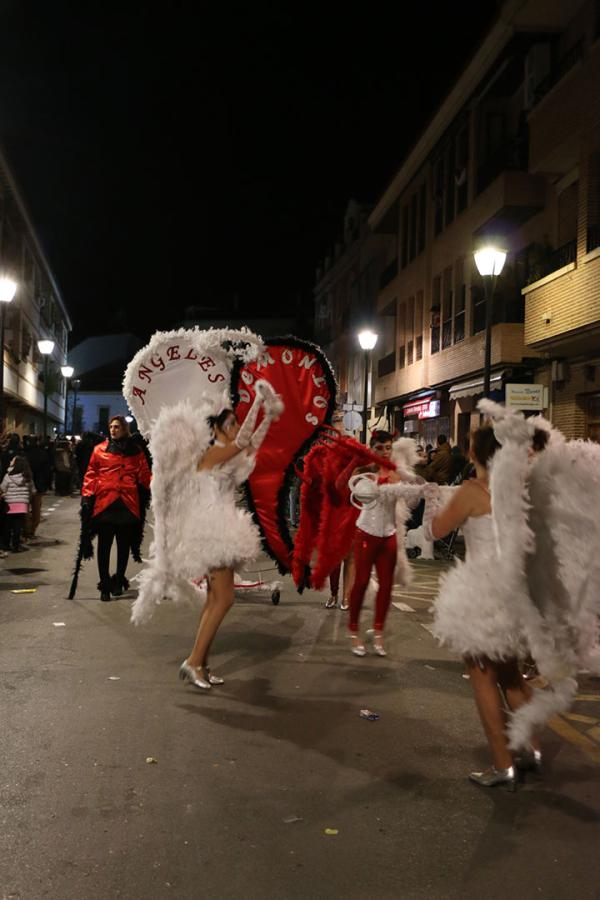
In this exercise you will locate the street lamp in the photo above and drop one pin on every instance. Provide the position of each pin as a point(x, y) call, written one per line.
point(75, 384)
point(367, 340)
point(8, 289)
point(490, 262)
point(67, 372)
point(45, 347)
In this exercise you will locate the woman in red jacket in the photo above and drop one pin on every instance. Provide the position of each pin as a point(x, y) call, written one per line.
point(117, 474)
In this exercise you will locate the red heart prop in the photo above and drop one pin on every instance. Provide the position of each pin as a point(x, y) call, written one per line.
point(302, 376)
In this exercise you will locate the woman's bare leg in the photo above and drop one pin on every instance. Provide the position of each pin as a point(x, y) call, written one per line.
point(348, 579)
point(219, 600)
point(515, 688)
point(489, 705)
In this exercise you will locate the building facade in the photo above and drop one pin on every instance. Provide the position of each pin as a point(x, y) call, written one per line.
point(511, 157)
point(36, 312)
point(346, 289)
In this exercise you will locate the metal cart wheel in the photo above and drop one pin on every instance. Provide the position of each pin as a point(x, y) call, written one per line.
point(275, 596)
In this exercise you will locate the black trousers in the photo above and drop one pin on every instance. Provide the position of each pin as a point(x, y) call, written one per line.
point(106, 535)
point(13, 525)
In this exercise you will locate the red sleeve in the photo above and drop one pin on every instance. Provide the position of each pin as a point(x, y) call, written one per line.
point(90, 479)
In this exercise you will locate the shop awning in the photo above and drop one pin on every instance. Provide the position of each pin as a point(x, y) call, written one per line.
point(470, 388)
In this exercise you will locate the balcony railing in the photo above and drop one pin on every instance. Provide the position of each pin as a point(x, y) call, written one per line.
point(409, 353)
point(459, 327)
point(514, 154)
point(435, 338)
point(388, 274)
point(387, 364)
point(559, 71)
point(593, 238)
point(419, 347)
point(537, 262)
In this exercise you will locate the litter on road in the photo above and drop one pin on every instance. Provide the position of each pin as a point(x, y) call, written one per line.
point(151, 760)
point(331, 831)
point(24, 591)
point(114, 677)
point(290, 819)
point(59, 624)
point(369, 714)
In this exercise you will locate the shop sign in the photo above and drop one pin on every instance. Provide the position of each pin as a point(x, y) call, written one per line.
point(426, 409)
point(524, 396)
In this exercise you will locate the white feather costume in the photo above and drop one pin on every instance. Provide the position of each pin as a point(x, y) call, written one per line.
point(531, 579)
point(197, 525)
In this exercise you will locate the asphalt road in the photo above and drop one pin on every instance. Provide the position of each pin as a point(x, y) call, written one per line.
point(248, 779)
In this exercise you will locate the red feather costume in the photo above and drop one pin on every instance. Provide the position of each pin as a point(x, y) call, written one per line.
point(327, 518)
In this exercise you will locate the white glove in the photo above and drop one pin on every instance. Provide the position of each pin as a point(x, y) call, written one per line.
point(364, 490)
point(272, 402)
point(244, 435)
point(433, 501)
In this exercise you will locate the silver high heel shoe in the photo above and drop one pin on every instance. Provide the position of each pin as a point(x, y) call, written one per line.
point(190, 674)
point(493, 776)
point(377, 638)
point(358, 649)
point(213, 679)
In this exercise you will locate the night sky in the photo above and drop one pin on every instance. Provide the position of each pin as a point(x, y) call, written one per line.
point(172, 158)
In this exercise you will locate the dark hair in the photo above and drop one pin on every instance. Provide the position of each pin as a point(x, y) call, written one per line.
point(378, 436)
point(123, 422)
point(484, 444)
point(442, 439)
point(20, 466)
point(219, 421)
point(540, 440)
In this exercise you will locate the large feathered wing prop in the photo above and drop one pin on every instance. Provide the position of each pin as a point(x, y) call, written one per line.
point(172, 386)
point(301, 375)
point(548, 533)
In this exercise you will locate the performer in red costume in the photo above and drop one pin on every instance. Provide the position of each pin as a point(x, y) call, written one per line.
point(117, 472)
point(377, 490)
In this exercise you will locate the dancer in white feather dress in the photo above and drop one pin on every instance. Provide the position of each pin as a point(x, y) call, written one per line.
point(471, 616)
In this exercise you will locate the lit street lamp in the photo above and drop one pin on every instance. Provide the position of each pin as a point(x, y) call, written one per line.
point(67, 372)
point(8, 289)
point(490, 262)
point(75, 384)
point(367, 340)
point(45, 348)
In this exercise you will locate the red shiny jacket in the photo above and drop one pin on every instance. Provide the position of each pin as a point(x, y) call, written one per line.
point(113, 476)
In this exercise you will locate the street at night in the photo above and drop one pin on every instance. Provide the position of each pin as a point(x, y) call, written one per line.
point(299, 451)
point(248, 780)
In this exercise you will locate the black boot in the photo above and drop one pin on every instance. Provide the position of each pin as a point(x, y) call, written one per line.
point(118, 584)
point(104, 591)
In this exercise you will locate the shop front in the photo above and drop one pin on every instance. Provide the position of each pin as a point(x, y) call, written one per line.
point(424, 418)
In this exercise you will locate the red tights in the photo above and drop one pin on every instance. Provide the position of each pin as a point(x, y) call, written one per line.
point(372, 551)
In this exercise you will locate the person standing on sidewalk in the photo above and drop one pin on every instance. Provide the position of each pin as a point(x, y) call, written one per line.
point(40, 469)
point(111, 505)
point(17, 488)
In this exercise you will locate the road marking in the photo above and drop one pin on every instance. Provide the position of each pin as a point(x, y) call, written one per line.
point(588, 697)
point(577, 717)
point(572, 736)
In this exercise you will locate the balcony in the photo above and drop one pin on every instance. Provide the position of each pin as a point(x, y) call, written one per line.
point(388, 274)
point(564, 65)
point(593, 238)
point(510, 198)
point(538, 261)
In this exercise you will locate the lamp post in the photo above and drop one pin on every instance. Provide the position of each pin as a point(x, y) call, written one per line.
point(45, 347)
point(490, 262)
point(8, 289)
point(75, 384)
point(67, 372)
point(367, 340)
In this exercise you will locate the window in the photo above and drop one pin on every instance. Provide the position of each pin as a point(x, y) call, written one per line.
point(412, 239)
point(422, 232)
point(438, 196)
point(404, 253)
point(567, 215)
point(402, 335)
point(435, 314)
point(446, 316)
point(478, 308)
point(460, 295)
point(450, 185)
point(410, 330)
point(462, 169)
point(419, 326)
point(593, 231)
point(387, 359)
